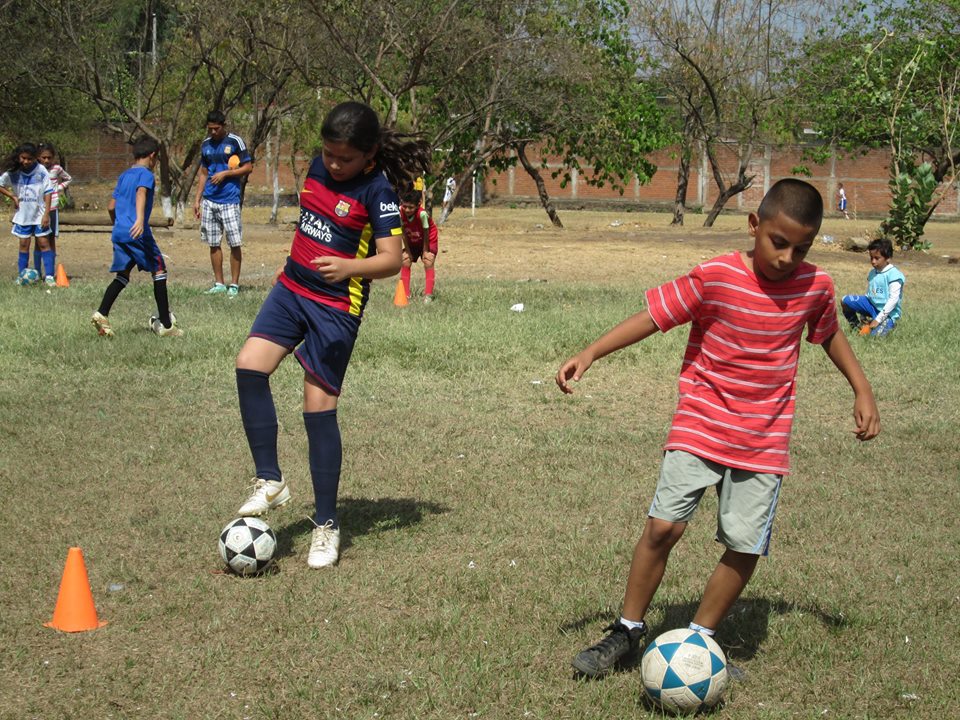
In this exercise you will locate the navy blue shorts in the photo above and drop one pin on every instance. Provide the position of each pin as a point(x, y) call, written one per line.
point(325, 336)
point(143, 253)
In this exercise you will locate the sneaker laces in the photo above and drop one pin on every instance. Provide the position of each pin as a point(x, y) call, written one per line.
point(320, 539)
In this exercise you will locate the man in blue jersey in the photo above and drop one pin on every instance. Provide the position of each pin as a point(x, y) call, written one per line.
point(224, 163)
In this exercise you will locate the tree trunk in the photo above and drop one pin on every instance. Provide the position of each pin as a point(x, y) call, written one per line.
point(273, 161)
point(727, 191)
point(541, 186)
point(683, 182)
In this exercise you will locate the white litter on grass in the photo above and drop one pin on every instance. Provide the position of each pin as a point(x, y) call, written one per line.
point(827, 239)
point(472, 565)
point(517, 308)
point(616, 223)
point(909, 696)
point(536, 382)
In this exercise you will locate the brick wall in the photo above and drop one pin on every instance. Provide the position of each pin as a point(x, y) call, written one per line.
point(864, 178)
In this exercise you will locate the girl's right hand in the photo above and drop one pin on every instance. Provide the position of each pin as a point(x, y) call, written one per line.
point(277, 274)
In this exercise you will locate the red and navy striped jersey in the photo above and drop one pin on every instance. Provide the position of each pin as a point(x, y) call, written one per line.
point(413, 227)
point(738, 380)
point(339, 219)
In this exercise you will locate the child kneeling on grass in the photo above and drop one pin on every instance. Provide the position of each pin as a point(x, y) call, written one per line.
point(878, 311)
point(133, 243)
point(732, 424)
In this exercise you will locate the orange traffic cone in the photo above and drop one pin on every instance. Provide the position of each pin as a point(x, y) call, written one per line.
point(61, 276)
point(400, 295)
point(75, 611)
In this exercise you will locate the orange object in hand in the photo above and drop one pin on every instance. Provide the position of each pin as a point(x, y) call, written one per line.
point(865, 330)
point(233, 162)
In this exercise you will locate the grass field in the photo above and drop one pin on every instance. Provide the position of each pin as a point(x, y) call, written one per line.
point(488, 520)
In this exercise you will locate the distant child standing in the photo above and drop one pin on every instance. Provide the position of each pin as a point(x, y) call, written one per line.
point(878, 311)
point(348, 234)
point(420, 240)
point(133, 242)
point(27, 183)
point(60, 178)
point(225, 162)
point(842, 201)
point(732, 424)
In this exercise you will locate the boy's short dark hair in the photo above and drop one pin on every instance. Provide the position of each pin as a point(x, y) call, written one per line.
point(217, 117)
point(144, 147)
point(410, 196)
point(797, 199)
point(883, 246)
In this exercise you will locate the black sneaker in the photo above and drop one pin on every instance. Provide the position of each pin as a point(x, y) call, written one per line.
point(620, 645)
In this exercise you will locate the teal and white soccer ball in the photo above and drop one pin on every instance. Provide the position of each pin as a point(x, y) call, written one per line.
point(28, 276)
point(684, 671)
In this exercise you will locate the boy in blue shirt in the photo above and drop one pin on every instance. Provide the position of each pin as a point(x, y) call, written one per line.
point(224, 164)
point(133, 243)
point(884, 299)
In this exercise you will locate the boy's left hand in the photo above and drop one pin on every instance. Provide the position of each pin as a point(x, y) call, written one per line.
point(867, 418)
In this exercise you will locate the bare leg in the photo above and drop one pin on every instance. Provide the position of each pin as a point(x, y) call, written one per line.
point(216, 261)
point(649, 563)
point(728, 580)
point(236, 259)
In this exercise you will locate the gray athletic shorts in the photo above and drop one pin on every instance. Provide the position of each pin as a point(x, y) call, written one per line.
point(218, 220)
point(747, 500)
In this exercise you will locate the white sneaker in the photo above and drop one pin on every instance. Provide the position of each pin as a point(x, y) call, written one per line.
point(102, 325)
point(266, 495)
point(325, 546)
point(159, 329)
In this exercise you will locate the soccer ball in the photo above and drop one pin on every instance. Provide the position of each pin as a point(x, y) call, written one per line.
point(684, 671)
point(28, 276)
point(247, 545)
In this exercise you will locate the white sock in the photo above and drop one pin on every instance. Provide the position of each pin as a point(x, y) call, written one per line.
point(631, 624)
point(701, 629)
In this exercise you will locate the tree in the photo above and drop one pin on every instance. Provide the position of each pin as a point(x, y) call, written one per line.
point(899, 90)
point(721, 65)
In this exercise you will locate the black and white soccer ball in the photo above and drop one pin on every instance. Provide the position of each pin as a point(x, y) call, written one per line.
point(247, 545)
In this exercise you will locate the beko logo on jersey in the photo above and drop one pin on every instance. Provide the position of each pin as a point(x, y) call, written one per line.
point(390, 208)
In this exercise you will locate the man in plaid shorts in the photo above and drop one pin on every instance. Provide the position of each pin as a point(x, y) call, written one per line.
point(224, 163)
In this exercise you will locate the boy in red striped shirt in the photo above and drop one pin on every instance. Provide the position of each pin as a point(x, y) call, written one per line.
point(731, 429)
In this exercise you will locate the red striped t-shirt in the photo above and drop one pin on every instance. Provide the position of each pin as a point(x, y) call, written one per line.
point(738, 380)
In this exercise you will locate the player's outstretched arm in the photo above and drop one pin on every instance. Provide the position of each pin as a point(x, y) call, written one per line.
point(866, 416)
point(632, 330)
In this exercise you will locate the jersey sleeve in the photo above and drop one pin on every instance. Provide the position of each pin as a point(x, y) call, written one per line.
point(676, 302)
point(384, 210)
point(823, 324)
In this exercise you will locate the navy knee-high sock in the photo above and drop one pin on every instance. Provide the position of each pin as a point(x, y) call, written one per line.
point(259, 417)
point(326, 454)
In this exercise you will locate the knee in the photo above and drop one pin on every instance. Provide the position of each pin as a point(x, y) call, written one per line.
point(661, 534)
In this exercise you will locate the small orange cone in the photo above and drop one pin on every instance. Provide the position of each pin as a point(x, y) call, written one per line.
point(400, 296)
point(61, 276)
point(75, 611)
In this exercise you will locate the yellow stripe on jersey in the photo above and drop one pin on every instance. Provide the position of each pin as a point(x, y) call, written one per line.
point(356, 284)
point(396, 231)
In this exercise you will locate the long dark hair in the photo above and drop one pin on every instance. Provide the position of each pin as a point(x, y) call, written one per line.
point(403, 157)
point(13, 161)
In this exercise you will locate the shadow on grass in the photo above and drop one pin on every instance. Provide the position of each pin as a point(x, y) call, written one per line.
point(362, 516)
point(740, 635)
